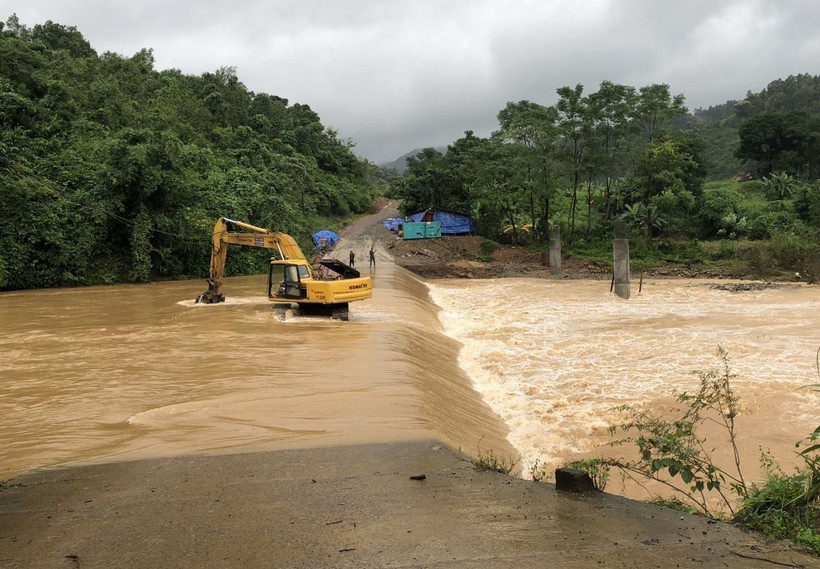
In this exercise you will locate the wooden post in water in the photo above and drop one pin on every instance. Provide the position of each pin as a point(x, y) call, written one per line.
point(555, 252)
point(620, 256)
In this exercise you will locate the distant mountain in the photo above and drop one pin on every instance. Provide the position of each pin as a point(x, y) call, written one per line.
point(400, 163)
point(717, 128)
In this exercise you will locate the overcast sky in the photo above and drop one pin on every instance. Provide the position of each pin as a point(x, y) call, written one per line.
point(396, 75)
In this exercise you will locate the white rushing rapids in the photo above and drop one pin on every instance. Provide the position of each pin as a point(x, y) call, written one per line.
point(553, 358)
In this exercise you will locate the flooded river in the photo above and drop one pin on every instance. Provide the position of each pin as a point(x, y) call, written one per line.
point(523, 367)
point(127, 372)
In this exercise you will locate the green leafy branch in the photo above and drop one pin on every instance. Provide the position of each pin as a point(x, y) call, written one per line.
point(670, 452)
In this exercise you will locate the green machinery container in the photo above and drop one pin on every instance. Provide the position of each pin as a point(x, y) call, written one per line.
point(422, 230)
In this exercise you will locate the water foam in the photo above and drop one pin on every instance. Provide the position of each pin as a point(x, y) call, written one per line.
point(553, 358)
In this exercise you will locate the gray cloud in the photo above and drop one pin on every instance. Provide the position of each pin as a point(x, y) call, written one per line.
point(397, 75)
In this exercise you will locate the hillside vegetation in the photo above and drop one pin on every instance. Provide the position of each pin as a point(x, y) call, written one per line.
point(113, 171)
point(735, 184)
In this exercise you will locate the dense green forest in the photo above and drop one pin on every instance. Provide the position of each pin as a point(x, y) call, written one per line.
point(112, 171)
point(737, 180)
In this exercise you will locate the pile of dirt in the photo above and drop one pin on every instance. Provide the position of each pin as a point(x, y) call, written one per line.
point(468, 257)
point(448, 257)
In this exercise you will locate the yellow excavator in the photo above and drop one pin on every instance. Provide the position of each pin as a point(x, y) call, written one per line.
point(292, 278)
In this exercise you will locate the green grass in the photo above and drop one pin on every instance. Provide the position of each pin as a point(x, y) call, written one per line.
point(673, 503)
point(488, 461)
point(785, 507)
point(782, 257)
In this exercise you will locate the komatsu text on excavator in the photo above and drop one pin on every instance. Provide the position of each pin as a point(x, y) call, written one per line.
point(291, 279)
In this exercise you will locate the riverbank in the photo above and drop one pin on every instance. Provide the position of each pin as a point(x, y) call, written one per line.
point(462, 257)
point(357, 506)
point(474, 257)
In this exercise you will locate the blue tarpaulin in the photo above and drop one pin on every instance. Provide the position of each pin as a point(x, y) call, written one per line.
point(452, 223)
point(393, 223)
point(330, 238)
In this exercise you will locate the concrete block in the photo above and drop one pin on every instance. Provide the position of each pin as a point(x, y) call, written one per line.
point(573, 480)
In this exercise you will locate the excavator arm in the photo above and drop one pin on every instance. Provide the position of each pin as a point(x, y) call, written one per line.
point(254, 236)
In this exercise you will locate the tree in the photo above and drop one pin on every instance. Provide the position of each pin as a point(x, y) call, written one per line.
point(575, 128)
point(611, 108)
point(499, 187)
point(428, 181)
point(114, 171)
point(58, 37)
point(781, 142)
point(533, 131)
point(655, 108)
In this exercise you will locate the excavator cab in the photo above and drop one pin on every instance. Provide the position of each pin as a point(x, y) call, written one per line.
point(285, 281)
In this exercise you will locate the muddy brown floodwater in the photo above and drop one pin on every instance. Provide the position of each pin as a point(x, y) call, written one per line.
point(126, 372)
point(555, 359)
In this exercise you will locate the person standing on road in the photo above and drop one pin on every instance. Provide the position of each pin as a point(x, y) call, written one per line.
point(372, 257)
point(352, 259)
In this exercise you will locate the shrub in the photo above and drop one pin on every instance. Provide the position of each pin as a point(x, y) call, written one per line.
point(785, 506)
point(597, 472)
point(487, 250)
point(718, 204)
point(671, 450)
point(759, 258)
point(778, 217)
point(488, 461)
point(791, 252)
point(788, 506)
point(807, 204)
point(720, 250)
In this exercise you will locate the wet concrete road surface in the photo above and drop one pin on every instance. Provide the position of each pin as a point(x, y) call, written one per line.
point(354, 506)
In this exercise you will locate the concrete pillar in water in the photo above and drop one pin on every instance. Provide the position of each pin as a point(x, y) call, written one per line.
point(555, 252)
point(620, 255)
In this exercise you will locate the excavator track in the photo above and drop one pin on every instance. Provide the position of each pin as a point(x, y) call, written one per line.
point(340, 312)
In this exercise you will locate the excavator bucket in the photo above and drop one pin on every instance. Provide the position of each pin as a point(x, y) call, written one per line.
point(210, 296)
